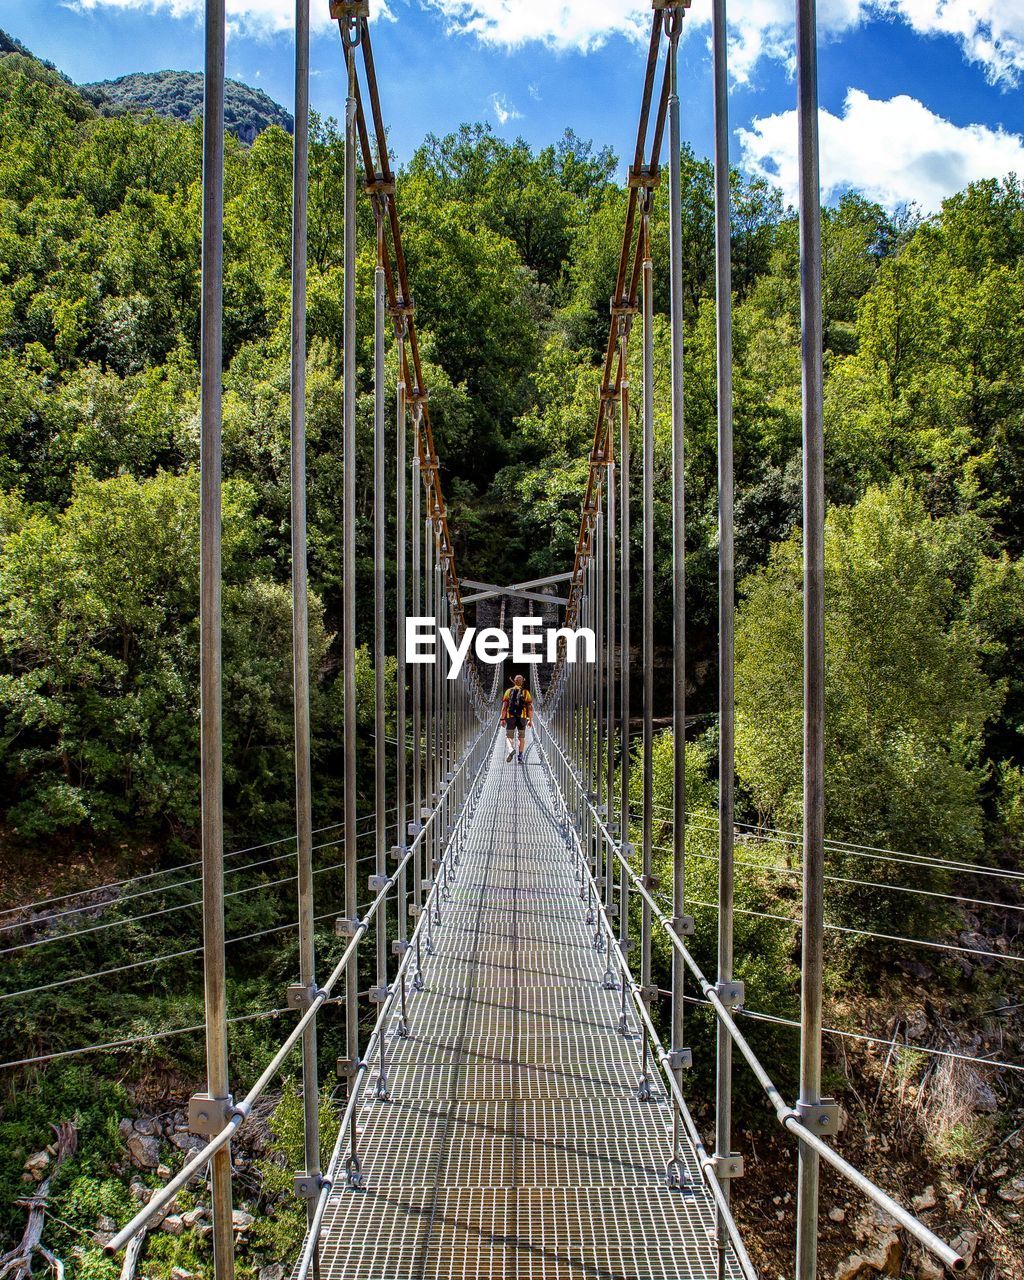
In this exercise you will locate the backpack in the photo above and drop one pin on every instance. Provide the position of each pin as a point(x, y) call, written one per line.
point(516, 701)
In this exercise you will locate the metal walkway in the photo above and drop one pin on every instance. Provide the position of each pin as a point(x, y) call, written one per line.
point(515, 1144)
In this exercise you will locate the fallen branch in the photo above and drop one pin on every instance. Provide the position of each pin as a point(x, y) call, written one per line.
point(17, 1265)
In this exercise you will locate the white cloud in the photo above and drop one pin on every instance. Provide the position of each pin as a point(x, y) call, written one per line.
point(504, 109)
point(572, 24)
point(990, 31)
point(253, 17)
point(895, 151)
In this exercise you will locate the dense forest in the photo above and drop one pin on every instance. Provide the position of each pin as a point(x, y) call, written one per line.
point(512, 254)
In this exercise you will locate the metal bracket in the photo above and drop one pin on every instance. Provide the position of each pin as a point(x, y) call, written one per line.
point(821, 1117)
point(649, 994)
point(730, 993)
point(378, 883)
point(341, 9)
point(415, 828)
point(645, 175)
point(398, 852)
point(669, 4)
point(683, 926)
point(730, 1166)
point(415, 909)
point(308, 1185)
point(301, 997)
point(650, 882)
point(346, 928)
point(207, 1116)
point(428, 884)
point(378, 186)
point(347, 1067)
point(400, 946)
point(680, 1059)
point(628, 850)
point(379, 994)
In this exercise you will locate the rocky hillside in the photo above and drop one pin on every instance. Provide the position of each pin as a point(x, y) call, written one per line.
point(176, 95)
point(179, 95)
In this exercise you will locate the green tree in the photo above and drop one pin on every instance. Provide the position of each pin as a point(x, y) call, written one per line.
point(907, 699)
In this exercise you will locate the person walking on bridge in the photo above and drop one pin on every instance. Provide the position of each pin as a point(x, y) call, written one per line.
point(516, 716)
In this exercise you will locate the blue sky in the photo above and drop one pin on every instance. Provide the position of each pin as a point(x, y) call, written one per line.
point(918, 96)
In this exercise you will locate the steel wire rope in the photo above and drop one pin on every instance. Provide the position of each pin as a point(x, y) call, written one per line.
point(862, 1036)
point(863, 884)
point(6, 926)
point(132, 1041)
point(869, 933)
point(870, 852)
point(172, 955)
point(181, 906)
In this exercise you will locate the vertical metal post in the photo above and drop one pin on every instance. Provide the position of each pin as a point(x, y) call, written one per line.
point(624, 656)
point(726, 596)
point(402, 752)
point(417, 697)
point(678, 557)
point(610, 645)
point(210, 672)
point(300, 594)
point(380, 743)
point(349, 564)
point(601, 868)
point(648, 610)
point(430, 763)
point(814, 625)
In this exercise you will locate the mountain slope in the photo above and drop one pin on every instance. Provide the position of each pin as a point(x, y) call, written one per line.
point(179, 95)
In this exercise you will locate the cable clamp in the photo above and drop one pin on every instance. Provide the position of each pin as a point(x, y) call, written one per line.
point(207, 1115)
point(377, 995)
point(418, 398)
point(398, 852)
point(379, 186)
point(622, 307)
point(649, 994)
point(821, 1117)
point(730, 1166)
point(348, 1067)
point(730, 993)
point(650, 882)
point(344, 928)
point(301, 996)
point(378, 883)
point(400, 946)
point(645, 176)
point(680, 1059)
point(683, 926)
point(309, 1185)
point(415, 828)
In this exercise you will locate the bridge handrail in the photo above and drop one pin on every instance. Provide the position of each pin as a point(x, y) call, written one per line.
point(705, 1161)
point(327, 1181)
point(240, 1111)
point(788, 1116)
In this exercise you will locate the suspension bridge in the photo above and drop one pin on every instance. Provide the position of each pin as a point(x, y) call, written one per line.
point(513, 1110)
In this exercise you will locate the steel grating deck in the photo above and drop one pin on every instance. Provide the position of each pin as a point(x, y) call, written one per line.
point(515, 1146)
